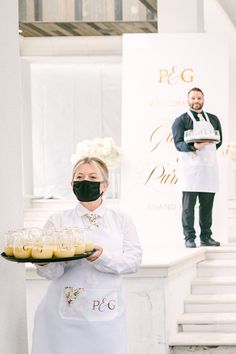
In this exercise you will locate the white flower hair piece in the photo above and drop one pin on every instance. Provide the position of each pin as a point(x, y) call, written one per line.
point(103, 148)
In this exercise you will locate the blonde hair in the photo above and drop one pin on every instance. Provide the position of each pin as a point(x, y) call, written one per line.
point(98, 162)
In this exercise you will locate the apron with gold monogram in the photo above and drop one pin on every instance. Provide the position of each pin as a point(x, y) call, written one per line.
point(83, 311)
point(198, 170)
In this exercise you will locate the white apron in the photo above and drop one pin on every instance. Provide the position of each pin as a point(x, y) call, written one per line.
point(199, 170)
point(83, 311)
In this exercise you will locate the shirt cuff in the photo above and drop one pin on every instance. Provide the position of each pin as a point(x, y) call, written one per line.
point(102, 259)
point(192, 147)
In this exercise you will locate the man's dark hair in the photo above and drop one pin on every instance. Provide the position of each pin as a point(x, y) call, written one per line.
point(196, 89)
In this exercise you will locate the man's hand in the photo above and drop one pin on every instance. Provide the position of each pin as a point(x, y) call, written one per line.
point(201, 145)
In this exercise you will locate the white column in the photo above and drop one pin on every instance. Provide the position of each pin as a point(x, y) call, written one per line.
point(26, 131)
point(13, 337)
point(180, 16)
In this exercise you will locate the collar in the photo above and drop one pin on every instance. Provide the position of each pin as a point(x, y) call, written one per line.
point(192, 116)
point(196, 113)
point(100, 211)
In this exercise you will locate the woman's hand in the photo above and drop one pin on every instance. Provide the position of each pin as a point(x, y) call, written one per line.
point(96, 254)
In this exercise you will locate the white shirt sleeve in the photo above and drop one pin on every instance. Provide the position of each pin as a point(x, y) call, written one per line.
point(51, 271)
point(130, 260)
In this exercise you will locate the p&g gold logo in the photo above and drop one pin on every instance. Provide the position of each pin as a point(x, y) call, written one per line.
point(175, 75)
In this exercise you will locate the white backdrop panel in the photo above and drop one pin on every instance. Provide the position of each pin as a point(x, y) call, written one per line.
point(158, 71)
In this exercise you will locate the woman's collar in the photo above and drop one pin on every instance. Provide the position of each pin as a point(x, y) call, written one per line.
point(82, 210)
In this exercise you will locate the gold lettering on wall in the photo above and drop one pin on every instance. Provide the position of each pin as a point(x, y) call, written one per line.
point(166, 103)
point(175, 75)
point(163, 169)
point(163, 206)
point(159, 136)
point(187, 75)
point(163, 174)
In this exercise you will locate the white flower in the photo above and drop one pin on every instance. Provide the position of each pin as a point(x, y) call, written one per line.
point(231, 151)
point(105, 149)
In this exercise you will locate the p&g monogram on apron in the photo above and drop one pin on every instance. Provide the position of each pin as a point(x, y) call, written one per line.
point(198, 170)
point(83, 304)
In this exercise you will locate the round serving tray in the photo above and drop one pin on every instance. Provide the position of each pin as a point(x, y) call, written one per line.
point(216, 141)
point(46, 260)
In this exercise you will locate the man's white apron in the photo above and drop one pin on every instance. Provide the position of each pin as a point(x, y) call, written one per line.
point(198, 170)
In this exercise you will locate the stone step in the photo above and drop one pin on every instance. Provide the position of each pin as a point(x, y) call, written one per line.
point(210, 303)
point(207, 322)
point(204, 339)
point(40, 213)
point(37, 217)
point(62, 204)
point(213, 285)
point(34, 222)
point(216, 267)
point(53, 203)
point(38, 209)
point(225, 252)
point(220, 349)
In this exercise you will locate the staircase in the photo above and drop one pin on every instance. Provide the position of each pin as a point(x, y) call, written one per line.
point(208, 324)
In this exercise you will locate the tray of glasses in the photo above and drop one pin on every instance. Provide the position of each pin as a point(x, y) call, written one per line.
point(47, 260)
point(201, 140)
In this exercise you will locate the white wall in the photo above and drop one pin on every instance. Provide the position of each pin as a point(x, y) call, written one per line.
point(182, 16)
point(13, 334)
point(217, 22)
point(27, 128)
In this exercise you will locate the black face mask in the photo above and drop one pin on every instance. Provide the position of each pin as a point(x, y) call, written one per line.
point(87, 191)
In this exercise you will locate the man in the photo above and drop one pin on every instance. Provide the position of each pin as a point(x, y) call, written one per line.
point(198, 169)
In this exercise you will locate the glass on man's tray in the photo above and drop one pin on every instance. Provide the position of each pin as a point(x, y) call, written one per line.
point(199, 136)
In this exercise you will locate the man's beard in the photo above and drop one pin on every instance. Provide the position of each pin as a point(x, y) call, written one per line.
point(196, 106)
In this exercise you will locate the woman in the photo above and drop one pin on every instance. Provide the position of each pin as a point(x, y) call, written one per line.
point(83, 311)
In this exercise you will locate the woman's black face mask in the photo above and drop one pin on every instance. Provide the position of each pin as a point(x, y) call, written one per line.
point(87, 191)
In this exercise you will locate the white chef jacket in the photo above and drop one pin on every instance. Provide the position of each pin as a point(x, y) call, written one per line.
point(83, 311)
